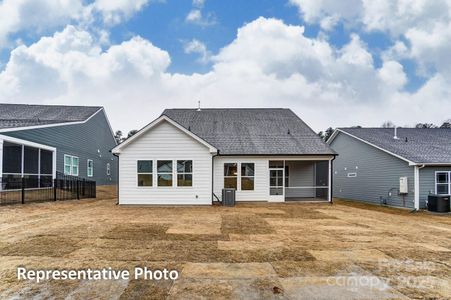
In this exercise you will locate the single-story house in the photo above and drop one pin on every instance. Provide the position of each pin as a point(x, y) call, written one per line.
point(37, 141)
point(187, 156)
point(393, 166)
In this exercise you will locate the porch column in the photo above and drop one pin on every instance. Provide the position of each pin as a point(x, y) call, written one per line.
point(416, 177)
point(54, 164)
point(329, 183)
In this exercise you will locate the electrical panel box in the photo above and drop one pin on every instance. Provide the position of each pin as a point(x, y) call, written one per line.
point(403, 186)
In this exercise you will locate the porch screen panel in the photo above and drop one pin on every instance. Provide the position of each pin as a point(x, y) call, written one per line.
point(31, 167)
point(12, 158)
point(46, 168)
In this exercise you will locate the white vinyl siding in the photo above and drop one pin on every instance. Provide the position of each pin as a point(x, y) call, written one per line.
point(165, 142)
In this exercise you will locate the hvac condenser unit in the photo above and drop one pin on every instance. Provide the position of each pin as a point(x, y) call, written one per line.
point(403, 186)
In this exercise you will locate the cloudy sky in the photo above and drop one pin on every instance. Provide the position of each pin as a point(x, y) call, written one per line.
point(335, 63)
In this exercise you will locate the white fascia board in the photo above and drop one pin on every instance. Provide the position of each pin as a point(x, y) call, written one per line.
point(411, 163)
point(52, 125)
point(117, 149)
point(26, 143)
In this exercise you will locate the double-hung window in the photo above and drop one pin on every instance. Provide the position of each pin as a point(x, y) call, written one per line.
point(247, 176)
point(443, 183)
point(184, 173)
point(70, 165)
point(90, 168)
point(231, 175)
point(145, 173)
point(164, 172)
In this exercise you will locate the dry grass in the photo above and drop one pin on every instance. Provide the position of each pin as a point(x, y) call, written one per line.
point(251, 251)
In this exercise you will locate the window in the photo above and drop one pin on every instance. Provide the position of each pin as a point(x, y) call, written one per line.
point(247, 176)
point(230, 175)
point(70, 165)
point(184, 173)
point(145, 173)
point(108, 169)
point(352, 174)
point(164, 172)
point(90, 168)
point(443, 183)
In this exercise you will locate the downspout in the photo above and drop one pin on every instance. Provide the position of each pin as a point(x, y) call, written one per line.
point(416, 172)
point(117, 203)
point(213, 176)
point(332, 179)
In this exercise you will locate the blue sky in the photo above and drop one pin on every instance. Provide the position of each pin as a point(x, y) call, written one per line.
point(358, 62)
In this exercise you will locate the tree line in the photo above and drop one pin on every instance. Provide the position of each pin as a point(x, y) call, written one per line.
point(325, 135)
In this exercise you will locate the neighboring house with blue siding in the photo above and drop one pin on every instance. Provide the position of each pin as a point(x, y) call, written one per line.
point(398, 167)
point(36, 141)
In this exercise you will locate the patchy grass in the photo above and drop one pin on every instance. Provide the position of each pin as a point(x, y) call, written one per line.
point(252, 251)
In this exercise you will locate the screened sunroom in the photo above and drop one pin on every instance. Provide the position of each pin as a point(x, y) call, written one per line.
point(25, 161)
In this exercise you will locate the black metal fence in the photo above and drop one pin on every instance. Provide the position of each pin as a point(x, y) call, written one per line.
point(63, 187)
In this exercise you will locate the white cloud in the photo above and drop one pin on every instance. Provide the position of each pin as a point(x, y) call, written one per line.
point(196, 46)
point(196, 16)
point(268, 64)
point(37, 16)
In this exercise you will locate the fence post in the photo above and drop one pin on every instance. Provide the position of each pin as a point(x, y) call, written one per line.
point(77, 182)
point(23, 190)
point(54, 189)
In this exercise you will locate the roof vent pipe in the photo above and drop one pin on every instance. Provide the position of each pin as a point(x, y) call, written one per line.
point(396, 133)
point(198, 106)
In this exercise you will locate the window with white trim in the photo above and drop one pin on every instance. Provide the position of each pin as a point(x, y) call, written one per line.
point(184, 173)
point(164, 172)
point(443, 183)
point(108, 169)
point(247, 176)
point(145, 172)
point(70, 165)
point(231, 175)
point(90, 168)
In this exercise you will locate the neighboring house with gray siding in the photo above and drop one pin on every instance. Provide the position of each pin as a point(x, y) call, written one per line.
point(188, 156)
point(398, 167)
point(36, 141)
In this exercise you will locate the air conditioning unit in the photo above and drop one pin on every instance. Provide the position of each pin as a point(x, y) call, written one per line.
point(403, 185)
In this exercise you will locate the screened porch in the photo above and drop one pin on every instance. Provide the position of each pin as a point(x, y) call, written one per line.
point(300, 180)
point(24, 161)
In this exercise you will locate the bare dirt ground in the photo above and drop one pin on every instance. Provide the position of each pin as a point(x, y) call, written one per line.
point(251, 251)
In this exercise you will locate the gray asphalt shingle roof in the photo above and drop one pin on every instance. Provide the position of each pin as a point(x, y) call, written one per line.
point(22, 115)
point(251, 131)
point(423, 145)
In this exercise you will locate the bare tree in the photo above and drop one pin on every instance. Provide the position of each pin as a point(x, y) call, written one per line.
point(388, 124)
point(425, 125)
point(118, 136)
point(446, 124)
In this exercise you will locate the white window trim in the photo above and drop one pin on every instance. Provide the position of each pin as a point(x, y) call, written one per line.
point(449, 182)
point(237, 176)
point(108, 169)
point(148, 173)
point(172, 174)
point(71, 173)
point(241, 176)
point(184, 173)
point(87, 168)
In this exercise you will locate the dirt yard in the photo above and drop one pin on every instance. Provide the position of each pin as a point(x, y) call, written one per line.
point(252, 251)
